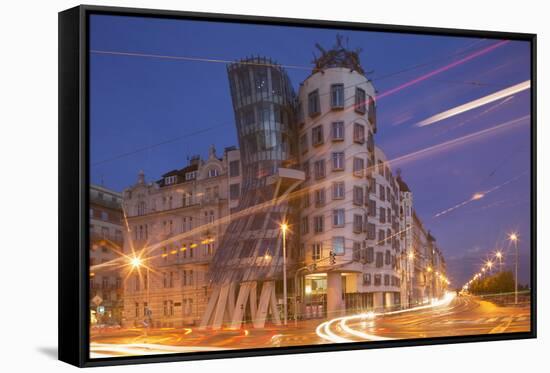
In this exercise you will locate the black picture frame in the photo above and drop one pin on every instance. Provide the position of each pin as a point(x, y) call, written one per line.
point(74, 184)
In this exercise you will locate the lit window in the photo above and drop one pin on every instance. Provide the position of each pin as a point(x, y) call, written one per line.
point(338, 245)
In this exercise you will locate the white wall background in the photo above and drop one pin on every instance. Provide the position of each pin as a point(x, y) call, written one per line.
point(28, 184)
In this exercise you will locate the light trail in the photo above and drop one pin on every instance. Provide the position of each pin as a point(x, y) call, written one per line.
point(442, 69)
point(478, 195)
point(323, 329)
point(100, 350)
point(476, 103)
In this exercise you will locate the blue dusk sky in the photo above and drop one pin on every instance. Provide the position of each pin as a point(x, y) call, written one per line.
point(152, 113)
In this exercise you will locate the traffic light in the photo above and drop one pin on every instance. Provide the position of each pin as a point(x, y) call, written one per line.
point(332, 258)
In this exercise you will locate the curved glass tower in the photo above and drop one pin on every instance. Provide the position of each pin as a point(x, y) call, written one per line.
point(250, 254)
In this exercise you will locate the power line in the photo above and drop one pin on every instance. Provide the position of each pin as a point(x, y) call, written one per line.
point(174, 139)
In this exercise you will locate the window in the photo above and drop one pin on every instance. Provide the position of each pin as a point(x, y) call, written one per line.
point(337, 131)
point(381, 236)
point(379, 260)
point(317, 135)
point(382, 193)
point(338, 218)
point(338, 245)
point(305, 168)
point(319, 197)
point(319, 169)
point(319, 224)
point(234, 191)
point(356, 253)
point(303, 143)
point(338, 190)
point(170, 180)
point(387, 258)
point(316, 251)
point(213, 172)
point(388, 236)
point(337, 96)
point(305, 200)
point(234, 169)
point(260, 79)
point(337, 161)
point(370, 254)
point(370, 143)
point(191, 175)
point(358, 166)
point(357, 223)
point(358, 133)
point(377, 279)
point(105, 232)
point(305, 225)
point(313, 103)
point(358, 195)
point(366, 279)
point(360, 97)
point(372, 111)
point(382, 215)
point(372, 207)
point(104, 215)
point(386, 280)
point(371, 229)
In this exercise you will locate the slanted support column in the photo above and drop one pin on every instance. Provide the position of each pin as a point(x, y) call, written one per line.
point(210, 308)
point(335, 306)
point(268, 303)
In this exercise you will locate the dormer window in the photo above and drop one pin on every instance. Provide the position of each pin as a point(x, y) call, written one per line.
point(191, 175)
point(170, 180)
point(213, 172)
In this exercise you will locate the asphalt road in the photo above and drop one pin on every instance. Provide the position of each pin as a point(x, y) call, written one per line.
point(454, 316)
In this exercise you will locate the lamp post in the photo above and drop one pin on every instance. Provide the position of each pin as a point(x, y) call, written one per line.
point(514, 238)
point(499, 257)
point(284, 227)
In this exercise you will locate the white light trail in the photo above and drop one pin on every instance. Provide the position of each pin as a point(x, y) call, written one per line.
point(323, 329)
point(476, 103)
point(99, 350)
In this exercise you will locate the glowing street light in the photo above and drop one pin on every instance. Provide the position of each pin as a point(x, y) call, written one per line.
point(498, 254)
point(489, 265)
point(284, 228)
point(513, 237)
point(136, 262)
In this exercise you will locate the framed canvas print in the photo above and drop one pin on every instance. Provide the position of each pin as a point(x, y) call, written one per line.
point(234, 186)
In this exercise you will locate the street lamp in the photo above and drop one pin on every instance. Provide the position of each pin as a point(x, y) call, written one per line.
point(489, 265)
point(499, 257)
point(284, 228)
point(136, 262)
point(514, 238)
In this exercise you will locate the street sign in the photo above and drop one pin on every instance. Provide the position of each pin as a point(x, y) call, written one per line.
point(97, 300)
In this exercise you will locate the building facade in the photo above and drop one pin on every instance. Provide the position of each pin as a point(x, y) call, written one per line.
point(174, 226)
point(211, 234)
point(106, 241)
point(349, 216)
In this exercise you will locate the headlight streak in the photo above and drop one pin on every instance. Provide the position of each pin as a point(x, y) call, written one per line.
point(476, 103)
point(113, 350)
point(323, 329)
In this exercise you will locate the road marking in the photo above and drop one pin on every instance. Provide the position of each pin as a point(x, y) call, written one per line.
point(501, 327)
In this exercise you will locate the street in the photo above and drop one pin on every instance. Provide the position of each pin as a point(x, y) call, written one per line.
point(451, 316)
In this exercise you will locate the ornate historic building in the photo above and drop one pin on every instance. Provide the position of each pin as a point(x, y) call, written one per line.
point(175, 225)
point(106, 240)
